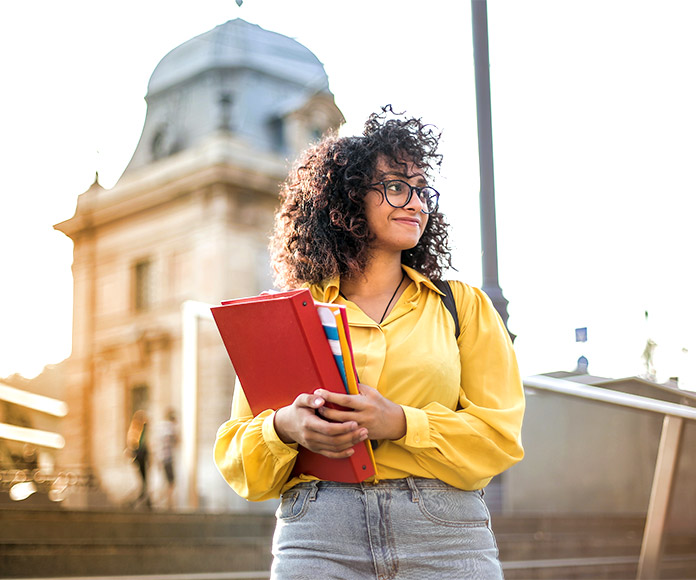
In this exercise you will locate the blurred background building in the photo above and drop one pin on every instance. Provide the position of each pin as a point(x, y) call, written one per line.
point(188, 220)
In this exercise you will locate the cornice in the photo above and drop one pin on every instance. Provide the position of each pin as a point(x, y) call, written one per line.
point(220, 159)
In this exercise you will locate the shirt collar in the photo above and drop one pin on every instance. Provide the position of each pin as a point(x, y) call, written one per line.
point(419, 279)
point(327, 291)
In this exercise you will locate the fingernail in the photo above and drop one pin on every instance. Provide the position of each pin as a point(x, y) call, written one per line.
point(317, 401)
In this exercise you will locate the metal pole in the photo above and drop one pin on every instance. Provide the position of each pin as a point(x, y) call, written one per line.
point(489, 244)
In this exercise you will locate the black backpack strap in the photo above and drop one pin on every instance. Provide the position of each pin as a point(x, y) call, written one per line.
point(448, 300)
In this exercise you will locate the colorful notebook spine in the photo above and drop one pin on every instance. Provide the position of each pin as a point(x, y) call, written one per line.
point(328, 322)
point(337, 326)
point(347, 350)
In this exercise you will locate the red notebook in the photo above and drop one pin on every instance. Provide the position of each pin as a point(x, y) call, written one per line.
point(279, 350)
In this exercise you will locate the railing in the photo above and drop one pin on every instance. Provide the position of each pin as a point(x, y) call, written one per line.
point(667, 456)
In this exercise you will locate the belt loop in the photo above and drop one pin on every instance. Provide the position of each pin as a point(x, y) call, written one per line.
point(415, 494)
point(314, 488)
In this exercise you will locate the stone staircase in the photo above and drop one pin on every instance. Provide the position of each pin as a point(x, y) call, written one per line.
point(36, 543)
point(562, 547)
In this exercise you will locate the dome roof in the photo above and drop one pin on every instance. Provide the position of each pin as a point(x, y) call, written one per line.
point(239, 44)
point(250, 83)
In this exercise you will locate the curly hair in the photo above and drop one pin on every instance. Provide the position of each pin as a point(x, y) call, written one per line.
point(321, 227)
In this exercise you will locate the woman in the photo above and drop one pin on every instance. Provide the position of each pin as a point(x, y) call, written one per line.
point(359, 226)
point(136, 440)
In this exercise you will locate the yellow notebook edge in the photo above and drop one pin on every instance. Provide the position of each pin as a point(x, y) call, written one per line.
point(351, 373)
point(347, 354)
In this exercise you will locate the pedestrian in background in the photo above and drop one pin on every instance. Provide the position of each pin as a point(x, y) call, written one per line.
point(168, 439)
point(136, 441)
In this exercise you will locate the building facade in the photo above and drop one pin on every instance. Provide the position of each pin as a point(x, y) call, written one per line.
point(188, 220)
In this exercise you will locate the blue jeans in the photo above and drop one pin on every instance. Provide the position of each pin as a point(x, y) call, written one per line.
point(403, 529)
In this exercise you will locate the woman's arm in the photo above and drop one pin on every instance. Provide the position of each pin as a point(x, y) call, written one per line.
point(249, 454)
point(482, 437)
point(256, 455)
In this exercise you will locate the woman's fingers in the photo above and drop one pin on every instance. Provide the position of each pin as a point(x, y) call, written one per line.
point(333, 436)
point(311, 401)
point(343, 400)
point(300, 423)
point(354, 407)
point(334, 446)
point(381, 417)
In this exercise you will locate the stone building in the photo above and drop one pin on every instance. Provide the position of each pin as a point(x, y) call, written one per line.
point(188, 220)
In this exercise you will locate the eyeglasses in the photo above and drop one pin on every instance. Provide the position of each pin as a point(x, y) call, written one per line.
point(399, 193)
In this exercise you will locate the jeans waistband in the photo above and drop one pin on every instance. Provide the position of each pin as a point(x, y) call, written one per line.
point(412, 483)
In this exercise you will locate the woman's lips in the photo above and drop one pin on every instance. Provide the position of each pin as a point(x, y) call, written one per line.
point(408, 221)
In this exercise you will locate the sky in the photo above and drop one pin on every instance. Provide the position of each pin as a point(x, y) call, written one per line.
point(593, 136)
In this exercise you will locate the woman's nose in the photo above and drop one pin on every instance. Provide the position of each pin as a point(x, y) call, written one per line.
point(415, 202)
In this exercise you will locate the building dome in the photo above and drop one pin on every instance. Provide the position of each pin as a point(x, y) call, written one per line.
point(239, 44)
point(265, 90)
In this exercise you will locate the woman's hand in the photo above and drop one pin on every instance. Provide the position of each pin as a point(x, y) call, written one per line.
point(382, 418)
point(298, 423)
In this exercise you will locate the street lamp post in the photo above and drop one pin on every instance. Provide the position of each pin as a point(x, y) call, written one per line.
point(489, 244)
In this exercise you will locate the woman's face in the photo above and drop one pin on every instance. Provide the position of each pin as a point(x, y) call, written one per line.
point(395, 229)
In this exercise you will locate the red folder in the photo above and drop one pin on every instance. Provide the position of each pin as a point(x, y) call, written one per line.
point(279, 350)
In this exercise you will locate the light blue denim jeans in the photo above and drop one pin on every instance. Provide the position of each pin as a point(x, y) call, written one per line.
point(402, 529)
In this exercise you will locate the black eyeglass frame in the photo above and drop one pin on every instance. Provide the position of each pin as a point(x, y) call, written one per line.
point(411, 189)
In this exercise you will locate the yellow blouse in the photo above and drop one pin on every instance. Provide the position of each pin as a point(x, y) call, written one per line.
point(463, 400)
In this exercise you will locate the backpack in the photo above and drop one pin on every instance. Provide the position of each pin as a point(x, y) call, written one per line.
point(448, 300)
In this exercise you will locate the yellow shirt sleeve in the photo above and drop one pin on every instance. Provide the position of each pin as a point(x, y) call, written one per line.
point(250, 455)
point(467, 447)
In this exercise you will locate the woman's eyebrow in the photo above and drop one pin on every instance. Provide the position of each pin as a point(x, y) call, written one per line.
point(399, 175)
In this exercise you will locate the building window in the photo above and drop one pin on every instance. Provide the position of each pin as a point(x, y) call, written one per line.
point(142, 286)
point(139, 398)
point(278, 137)
point(164, 143)
point(316, 134)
